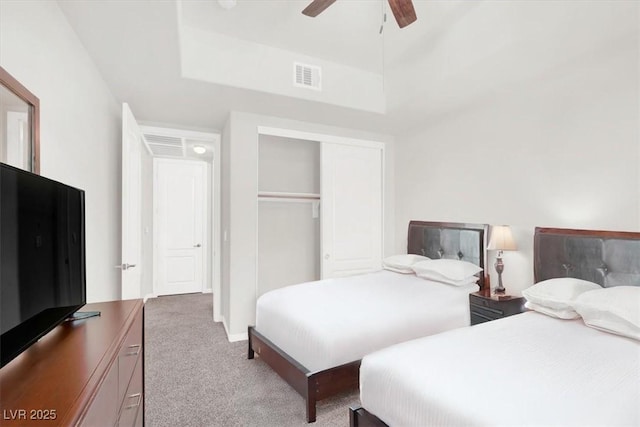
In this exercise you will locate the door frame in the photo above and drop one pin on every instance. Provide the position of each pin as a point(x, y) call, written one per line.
point(205, 226)
point(216, 248)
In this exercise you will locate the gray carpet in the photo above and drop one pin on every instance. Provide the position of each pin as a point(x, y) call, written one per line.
point(195, 377)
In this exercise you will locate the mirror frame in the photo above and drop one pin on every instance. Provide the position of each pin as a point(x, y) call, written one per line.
point(9, 82)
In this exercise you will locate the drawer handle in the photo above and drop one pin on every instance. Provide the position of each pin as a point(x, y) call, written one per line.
point(135, 350)
point(492, 310)
point(133, 396)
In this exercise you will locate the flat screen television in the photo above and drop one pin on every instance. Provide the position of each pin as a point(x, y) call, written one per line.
point(42, 257)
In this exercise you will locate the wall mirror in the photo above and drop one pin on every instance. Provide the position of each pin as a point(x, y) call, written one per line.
point(19, 124)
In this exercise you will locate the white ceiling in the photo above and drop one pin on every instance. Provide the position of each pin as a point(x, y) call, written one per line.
point(135, 45)
point(347, 32)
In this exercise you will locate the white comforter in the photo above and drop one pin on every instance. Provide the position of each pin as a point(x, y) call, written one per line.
point(330, 322)
point(528, 369)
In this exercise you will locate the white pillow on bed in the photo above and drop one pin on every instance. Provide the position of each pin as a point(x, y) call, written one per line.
point(446, 269)
point(615, 310)
point(556, 296)
point(566, 313)
point(402, 263)
point(436, 277)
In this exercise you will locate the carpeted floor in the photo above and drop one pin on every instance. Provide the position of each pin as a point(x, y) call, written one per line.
point(195, 377)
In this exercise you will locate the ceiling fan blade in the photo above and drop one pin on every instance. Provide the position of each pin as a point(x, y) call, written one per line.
point(403, 11)
point(316, 7)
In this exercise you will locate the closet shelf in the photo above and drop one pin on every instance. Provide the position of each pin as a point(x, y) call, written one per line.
point(265, 195)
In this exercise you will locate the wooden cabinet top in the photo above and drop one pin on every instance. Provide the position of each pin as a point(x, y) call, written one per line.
point(489, 295)
point(63, 370)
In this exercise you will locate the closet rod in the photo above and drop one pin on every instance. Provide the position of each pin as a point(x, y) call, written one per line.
point(282, 195)
point(288, 199)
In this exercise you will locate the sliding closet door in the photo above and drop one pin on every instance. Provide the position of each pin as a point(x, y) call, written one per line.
point(351, 209)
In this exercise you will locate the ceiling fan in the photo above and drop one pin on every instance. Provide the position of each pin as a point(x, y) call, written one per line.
point(403, 10)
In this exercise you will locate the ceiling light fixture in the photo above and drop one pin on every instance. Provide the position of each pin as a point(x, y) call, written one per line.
point(199, 149)
point(227, 4)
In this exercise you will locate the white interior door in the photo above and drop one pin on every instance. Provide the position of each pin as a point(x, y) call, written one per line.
point(132, 141)
point(351, 209)
point(180, 211)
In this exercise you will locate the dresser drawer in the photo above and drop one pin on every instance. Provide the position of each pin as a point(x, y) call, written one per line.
point(477, 317)
point(103, 410)
point(130, 351)
point(486, 309)
point(133, 399)
point(488, 303)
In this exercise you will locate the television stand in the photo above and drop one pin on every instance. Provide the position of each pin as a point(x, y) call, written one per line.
point(79, 315)
point(81, 374)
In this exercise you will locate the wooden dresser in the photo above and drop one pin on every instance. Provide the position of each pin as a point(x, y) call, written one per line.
point(86, 372)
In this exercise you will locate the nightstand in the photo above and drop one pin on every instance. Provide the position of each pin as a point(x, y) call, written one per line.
point(485, 306)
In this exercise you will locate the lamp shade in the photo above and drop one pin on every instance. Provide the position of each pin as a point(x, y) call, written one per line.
point(501, 239)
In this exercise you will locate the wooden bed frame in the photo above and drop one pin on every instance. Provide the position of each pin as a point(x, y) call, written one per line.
point(432, 239)
point(359, 417)
point(560, 252)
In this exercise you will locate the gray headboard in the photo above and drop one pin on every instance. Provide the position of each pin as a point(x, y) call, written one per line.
point(450, 240)
point(608, 258)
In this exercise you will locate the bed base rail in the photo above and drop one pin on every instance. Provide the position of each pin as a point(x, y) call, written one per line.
point(360, 417)
point(312, 386)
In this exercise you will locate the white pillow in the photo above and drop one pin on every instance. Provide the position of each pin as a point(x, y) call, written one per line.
point(567, 313)
point(447, 269)
point(402, 263)
point(558, 295)
point(436, 277)
point(615, 310)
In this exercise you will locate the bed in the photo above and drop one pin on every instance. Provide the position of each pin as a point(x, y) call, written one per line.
point(315, 334)
point(527, 369)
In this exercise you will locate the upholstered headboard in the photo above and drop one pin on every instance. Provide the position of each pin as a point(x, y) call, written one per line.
point(608, 258)
point(450, 240)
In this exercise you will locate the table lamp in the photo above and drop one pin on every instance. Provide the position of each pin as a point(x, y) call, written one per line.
point(501, 240)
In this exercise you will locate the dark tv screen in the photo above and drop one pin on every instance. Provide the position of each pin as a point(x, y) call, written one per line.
point(42, 257)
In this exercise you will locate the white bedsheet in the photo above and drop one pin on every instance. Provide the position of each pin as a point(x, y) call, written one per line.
point(330, 322)
point(528, 369)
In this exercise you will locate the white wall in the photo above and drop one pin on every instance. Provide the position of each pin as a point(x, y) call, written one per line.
point(239, 205)
point(80, 125)
point(213, 57)
point(553, 141)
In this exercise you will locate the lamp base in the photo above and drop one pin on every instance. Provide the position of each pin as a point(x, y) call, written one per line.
point(499, 269)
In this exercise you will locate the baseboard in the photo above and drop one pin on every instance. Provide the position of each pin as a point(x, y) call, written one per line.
point(234, 337)
point(208, 291)
point(147, 296)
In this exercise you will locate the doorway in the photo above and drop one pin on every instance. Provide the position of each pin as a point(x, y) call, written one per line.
point(153, 144)
point(180, 226)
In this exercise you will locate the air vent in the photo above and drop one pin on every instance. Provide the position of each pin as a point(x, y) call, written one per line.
point(167, 142)
point(166, 150)
point(307, 76)
point(164, 145)
point(163, 139)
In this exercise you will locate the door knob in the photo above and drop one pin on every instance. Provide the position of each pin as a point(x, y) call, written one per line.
point(125, 266)
point(326, 256)
point(197, 245)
